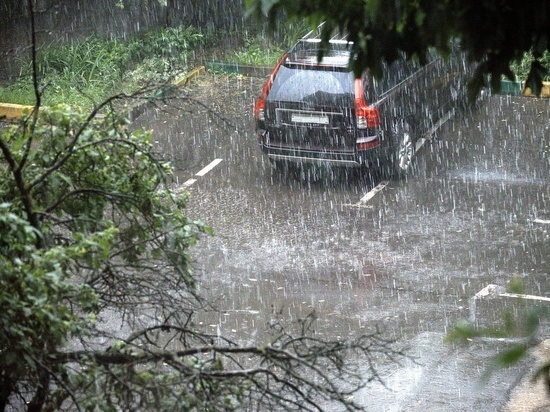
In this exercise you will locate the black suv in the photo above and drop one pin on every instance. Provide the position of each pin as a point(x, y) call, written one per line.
point(317, 113)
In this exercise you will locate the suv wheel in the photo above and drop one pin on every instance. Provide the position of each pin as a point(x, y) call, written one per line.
point(403, 155)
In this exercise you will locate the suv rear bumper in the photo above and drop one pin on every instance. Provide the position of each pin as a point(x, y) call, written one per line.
point(352, 158)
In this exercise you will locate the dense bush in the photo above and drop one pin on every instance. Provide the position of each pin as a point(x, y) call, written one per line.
point(263, 50)
point(521, 68)
point(175, 44)
point(98, 68)
point(257, 51)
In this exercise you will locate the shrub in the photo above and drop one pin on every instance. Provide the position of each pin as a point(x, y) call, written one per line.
point(98, 68)
point(521, 68)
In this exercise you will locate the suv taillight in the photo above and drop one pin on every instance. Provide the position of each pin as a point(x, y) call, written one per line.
point(259, 104)
point(259, 108)
point(365, 116)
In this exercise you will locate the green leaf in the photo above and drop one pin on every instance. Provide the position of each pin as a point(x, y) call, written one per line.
point(543, 373)
point(511, 356)
point(516, 285)
point(532, 320)
point(462, 331)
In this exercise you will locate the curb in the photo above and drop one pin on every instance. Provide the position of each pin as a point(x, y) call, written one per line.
point(237, 68)
point(192, 75)
point(10, 112)
point(509, 87)
point(545, 91)
point(486, 307)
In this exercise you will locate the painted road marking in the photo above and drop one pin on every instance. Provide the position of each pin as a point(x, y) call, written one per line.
point(208, 168)
point(420, 142)
point(499, 291)
point(189, 182)
point(363, 201)
point(202, 172)
point(492, 291)
point(374, 191)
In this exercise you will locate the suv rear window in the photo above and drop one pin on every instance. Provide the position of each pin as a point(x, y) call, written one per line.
point(313, 85)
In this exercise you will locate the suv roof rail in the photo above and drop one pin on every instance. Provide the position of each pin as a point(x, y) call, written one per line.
point(313, 47)
point(315, 35)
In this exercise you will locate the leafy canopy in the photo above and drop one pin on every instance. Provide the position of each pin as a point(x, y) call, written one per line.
point(90, 235)
point(98, 297)
point(493, 33)
point(84, 216)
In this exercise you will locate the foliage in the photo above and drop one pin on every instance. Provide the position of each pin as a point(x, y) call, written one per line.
point(174, 44)
point(522, 68)
point(20, 92)
point(493, 33)
point(93, 67)
point(521, 328)
point(60, 250)
point(265, 49)
point(91, 234)
point(89, 231)
point(88, 72)
point(84, 62)
point(291, 31)
point(257, 51)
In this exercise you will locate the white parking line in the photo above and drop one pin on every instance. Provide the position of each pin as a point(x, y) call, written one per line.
point(363, 201)
point(202, 172)
point(499, 291)
point(374, 191)
point(419, 143)
point(208, 168)
point(188, 182)
point(496, 291)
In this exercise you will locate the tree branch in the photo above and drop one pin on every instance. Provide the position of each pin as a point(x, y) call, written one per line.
point(23, 192)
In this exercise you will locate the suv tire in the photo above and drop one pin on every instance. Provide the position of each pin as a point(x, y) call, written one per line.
point(404, 149)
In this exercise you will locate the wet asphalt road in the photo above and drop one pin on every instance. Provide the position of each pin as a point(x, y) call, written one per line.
point(475, 211)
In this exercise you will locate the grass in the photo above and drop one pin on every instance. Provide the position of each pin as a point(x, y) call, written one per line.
point(261, 50)
point(20, 92)
point(86, 73)
point(257, 51)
